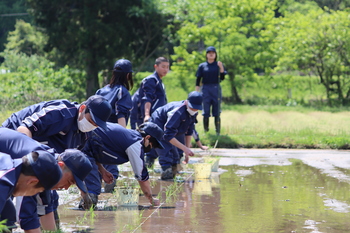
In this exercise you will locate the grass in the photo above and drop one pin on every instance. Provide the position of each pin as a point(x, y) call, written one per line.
point(258, 127)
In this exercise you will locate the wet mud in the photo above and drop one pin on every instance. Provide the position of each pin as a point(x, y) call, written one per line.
point(252, 191)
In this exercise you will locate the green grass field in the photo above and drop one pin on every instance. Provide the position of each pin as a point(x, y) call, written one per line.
point(261, 127)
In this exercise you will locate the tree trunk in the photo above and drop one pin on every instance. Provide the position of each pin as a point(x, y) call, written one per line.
point(91, 75)
point(234, 92)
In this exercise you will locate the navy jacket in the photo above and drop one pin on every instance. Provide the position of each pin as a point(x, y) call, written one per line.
point(152, 90)
point(117, 145)
point(120, 100)
point(174, 119)
point(54, 123)
point(210, 72)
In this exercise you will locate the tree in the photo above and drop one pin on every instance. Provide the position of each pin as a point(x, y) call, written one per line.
point(240, 31)
point(26, 39)
point(91, 34)
point(318, 44)
point(10, 11)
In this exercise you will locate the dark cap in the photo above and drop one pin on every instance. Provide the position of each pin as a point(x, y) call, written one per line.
point(154, 130)
point(124, 65)
point(195, 100)
point(211, 49)
point(100, 110)
point(79, 164)
point(45, 168)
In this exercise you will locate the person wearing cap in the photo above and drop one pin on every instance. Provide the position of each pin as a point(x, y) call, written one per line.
point(118, 145)
point(75, 167)
point(26, 168)
point(61, 124)
point(211, 73)
point(150, 96)
point(117, 94)
point(177, 119)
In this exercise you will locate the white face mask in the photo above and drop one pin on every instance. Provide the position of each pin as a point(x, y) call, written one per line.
point(191, 112)
point(85, 126)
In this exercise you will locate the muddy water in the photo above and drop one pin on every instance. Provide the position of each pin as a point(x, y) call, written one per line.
point(254, 191)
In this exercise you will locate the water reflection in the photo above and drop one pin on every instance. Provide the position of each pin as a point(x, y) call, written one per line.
point(253, 196)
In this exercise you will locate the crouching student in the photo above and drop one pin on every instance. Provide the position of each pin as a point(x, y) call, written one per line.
point(118, 145)
point(177, 119)
point(25, 170)
point(73, 166)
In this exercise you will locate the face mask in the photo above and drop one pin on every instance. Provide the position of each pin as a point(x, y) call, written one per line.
point(191, 112)
point(85, 126)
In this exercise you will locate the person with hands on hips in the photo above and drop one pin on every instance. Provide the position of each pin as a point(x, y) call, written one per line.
point(211, 73)
point(103, 148)
point(177, 119)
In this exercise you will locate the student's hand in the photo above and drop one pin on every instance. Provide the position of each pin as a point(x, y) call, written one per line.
point(204, 147)
point(155, 202)
point(146, 118)
point(188, 152)
point(107, 177)
point(87, 201)
point(221, 67)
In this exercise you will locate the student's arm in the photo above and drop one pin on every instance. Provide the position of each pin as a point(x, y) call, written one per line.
point(25, 130)
point(147, 111)
point(182, 147)
point(47, 222)
point(122, 121)
point(147, 191)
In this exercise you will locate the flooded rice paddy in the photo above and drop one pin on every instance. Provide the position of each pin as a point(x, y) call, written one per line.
point(253, 191)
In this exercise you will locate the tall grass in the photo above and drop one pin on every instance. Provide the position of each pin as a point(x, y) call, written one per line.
point(256, 128)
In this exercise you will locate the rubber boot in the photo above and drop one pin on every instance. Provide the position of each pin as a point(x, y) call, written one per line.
point(167, 174)
point(94, 200)
point(217, 125)
point(206, 124)
point(174, 169)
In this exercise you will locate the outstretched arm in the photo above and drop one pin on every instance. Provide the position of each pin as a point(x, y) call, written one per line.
point(147, 191)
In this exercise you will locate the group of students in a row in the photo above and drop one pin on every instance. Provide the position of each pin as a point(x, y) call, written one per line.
point(52, 145)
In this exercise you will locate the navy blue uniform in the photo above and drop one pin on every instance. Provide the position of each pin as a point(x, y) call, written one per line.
point(18, 145)
point(135, 116)
point(152, 90)
point(210, 75)
point(119, 98)
point(117, 145)
point(54, 123)
point(177, 123)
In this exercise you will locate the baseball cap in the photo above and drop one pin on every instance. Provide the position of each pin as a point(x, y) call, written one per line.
point(195, 100)
point(154, 130)
point(45, 168)
point(79, 164)
point(211, 49)
point(124, 65)
point(99, 109)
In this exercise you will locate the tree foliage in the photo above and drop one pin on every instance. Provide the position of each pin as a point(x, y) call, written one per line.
point(317, 43)
point(91, 34)
point(240, 31)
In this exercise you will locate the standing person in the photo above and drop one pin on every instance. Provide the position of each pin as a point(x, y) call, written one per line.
point(61, 124)
point(117, 94)
point(152, 91)
point(177, 119)
point(211, 72)
point(151, 95)
point(103, 148)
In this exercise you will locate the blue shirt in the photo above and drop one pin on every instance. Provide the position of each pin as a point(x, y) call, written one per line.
point(174, 119)
point(18, 145)
point(9, 174)
point(54, 123)
point(152, 90)
point(209, 72)
point(117, 145)
point(119, 98)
